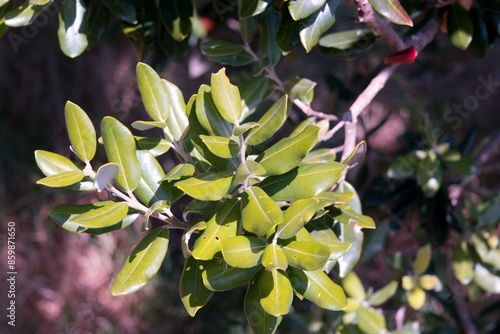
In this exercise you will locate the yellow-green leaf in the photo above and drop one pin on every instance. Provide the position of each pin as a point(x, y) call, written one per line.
point(259, 212)
point(181, 171)
point(153, 92)
point(62, 179)
point(209, 116)
point(211, 186)
point(422, 260)
point(242, 251)
point(177, 120)
point(300, 9)
point(221, 146)
point(460, 26)
point(26, 13)
point(81, 132)
point(104, 214)
point(353, 287)
point(429, 282)
point(226, 97)
point(52, 163)
point(272, 120)
point(306, 255)
point(416, 298)
point(317, 24)
point(143, 263)
point(370, 321)
point(274, 258)
point(194, 294)
point(276, 292)
point(381, 296)
point(295, 217)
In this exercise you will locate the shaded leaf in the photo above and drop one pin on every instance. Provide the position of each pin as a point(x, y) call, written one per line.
point(177, 16)
point(259, 320)
point(105, 174)
point(72, 30)
point(416, 298)
point(150, 190)
point(249, 8)
point(218, 276)
point(226, 53)
point(81, 132)
point(143, 263)
point(269, 52)
point(392, 10)
point(209, 116)
point(460, 26)
point(194, 294)
point(247, 169)
point(124, 10)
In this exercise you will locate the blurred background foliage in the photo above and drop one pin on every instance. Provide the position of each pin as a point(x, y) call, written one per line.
point(430, 175)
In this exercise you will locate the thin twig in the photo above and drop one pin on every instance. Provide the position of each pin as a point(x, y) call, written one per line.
point(306, 109)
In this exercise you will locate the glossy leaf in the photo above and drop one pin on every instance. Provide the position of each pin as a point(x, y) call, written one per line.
point(302, 89)
point(155, 146)
point(153, 92)
point(208, 115)
point(486, 280)
point(303, 8)
point(177, 16)
point(143, 263)
point(103, 214)
point(124, 10)
point(226, 97)
point(317, 24)
point(345, 39)
point(211, 186)
point(381, 296)
point(26, 13)
point(81, 132)
point(226, 53)
point(247, 169)
point(392, 10)
point(253, 92)
point(149, 189)
point(288, 32)
point(318, 288)
point(276, 292)
point(177, 120)
point(259, 320)
point(120, 149)
point(328, 198)
point(194, 294)
point(345, 214)
point(222, 225)
point(353, 287)
point(304, 181)
point(306, 255)
point(295, 217)
point(288, 152)
point(250, 8)
point(218, 276)
point(462, 264)
point(186, 236)
point(72, 30)
point(180, 171)
point(62, 179)
point(239, 130)
point(221, 146)
point(270, 54)
point(323, 234)
point(460, 26)
point(422, 260)
point(105, 174)
point(370, 321)
point(259, 212)
point(272, 120)
point(242, 251)
point(274, 258)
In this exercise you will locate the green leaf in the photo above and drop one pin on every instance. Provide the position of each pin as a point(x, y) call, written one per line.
point(259, 212)
point(429, 282)
point(328, 198)
point(242, 251)
point(186, 236)
point(155, 146)
point(270, 53)
point(345, 214)
point(416, 298)
point(148, 125)
point(63, 215)
point(26, 13)
point(272, 120)
point(392, 10)
point(194, 294)
point(253, 92)
point(52, 163)
point(463, 266)
point(422, 260)
point(220, 277)
point(302, 89)
point(288, 32)
point(120, 149)
point(317, 24)
point(303, 182)
point(247, 29)
point(150, 190)
point(226, 97)
point(306, 255)
point(247, 169)
point(319, 156)
point(288, 152)
point(97, 22)
point(259, 320)
point(323, 234)
point(153, 92)
point(181, 171)
point(124, 10)
point(295, 217)
point(300, 9)
point(480, 40)
point(276, 292)
point(177, 16)
point(250, 8)
point(381, 296)
point(221, 146)
point(486, 280)
point(370, 321)
point(239, 130)
point(353, 287)
point(72, 30)
point(105, 174)
point(62, 179)
point(209, 116)
point(460, 26)
point(177, 120)
point(104, 214)
point(318, 288)
point(210, 186)
point(226, 53)
point(345, 39)
point(81, 132)
point(143, 263)
point(222, 225)
point(274, 258)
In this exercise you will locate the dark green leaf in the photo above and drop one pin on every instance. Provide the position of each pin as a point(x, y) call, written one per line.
point(392, 10)
point(460, 26)
point(317, 24)
point(259, 320)
point(381, 296)
point(226, 53)
point(480, 39)
point(177, 16)
point(288, 32)
point(218, 276)
point(155, 146)
point(249, 8)
point(194, 294)
point(270, 53)
point(124, 10)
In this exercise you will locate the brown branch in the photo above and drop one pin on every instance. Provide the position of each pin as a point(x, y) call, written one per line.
point(378, 26)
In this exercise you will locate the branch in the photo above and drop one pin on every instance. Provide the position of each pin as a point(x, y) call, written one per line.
point(378, 26)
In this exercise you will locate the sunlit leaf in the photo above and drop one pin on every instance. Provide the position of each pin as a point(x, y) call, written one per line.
point(259, 212)
point(103, 214)
point(460, 26)
point(211, 186)
point(143, 263)
point(149, 189)
point(209, 116)
point(486, 280)
point(177, 120)
point(242, 251)
point(345, 214)
point(317, 24)
point(81, 132)
point(416, 298)
point(26, 13)
point(274, 258)
point(353, 287)
point(392, 10)
point(295, 217)
point(306, 255)
point(272, 120)
point(180, 171)
point(226, 97)
point(153, 92)
point(462, 264)
point(194, 294)
point(72, 30)
point(422, 260)
point(381, 296)
point(247, 169)
point(303, 8)
point(221, 146)
point(124, 10)
point(155, 146)
point(259, 320)
point(249, 8)
point(276, 292)
point(370, 321)
point(62, 179)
